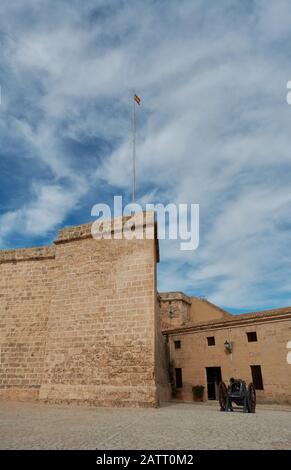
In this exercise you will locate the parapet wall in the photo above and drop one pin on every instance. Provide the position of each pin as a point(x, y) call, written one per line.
point(26, 284)
point(27, 254)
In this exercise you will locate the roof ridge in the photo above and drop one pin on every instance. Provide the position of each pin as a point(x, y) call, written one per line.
point(223, 322)
point(262, 313)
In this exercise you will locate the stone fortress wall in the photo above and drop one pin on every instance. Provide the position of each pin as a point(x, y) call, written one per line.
point(78, 321)
point(82, 321)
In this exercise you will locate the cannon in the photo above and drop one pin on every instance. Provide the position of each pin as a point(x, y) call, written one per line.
point(239, 393)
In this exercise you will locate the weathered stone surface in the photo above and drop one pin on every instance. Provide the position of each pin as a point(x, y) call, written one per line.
point(191, 320)
point(79, 321)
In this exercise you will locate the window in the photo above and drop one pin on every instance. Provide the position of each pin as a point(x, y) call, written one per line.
point(211, 341)
point(179, 382)
point(177, 344)
point(252, 336)
point(257, 377)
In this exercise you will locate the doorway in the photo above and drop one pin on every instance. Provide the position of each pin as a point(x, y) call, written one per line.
point(213, 381)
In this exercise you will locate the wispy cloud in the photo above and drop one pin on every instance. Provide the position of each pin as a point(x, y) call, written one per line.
point(213, 129)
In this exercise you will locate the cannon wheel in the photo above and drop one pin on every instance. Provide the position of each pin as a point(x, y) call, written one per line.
point(222, 396)
point(251, 398)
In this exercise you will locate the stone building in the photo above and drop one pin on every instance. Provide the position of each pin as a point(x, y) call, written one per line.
point(81, 321)
point(208, 344)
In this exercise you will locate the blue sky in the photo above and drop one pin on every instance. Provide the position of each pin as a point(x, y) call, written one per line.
point(214, 129)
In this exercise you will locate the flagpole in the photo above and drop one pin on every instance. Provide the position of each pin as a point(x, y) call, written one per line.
point(133, 150)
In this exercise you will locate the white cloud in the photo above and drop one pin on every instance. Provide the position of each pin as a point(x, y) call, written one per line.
point(213, 128)
point(44, 213)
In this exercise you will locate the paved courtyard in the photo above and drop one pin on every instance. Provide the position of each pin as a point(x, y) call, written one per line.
point(173, 426)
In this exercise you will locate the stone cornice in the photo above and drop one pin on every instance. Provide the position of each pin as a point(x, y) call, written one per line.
point(110, 227)
point(27, 254)
point(226, 324)
point(172, 296)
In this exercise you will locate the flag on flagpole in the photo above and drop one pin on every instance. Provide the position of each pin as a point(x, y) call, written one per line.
point(137, 99)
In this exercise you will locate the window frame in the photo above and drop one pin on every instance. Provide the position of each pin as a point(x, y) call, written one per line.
point(209, 341)
point(251, 335)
